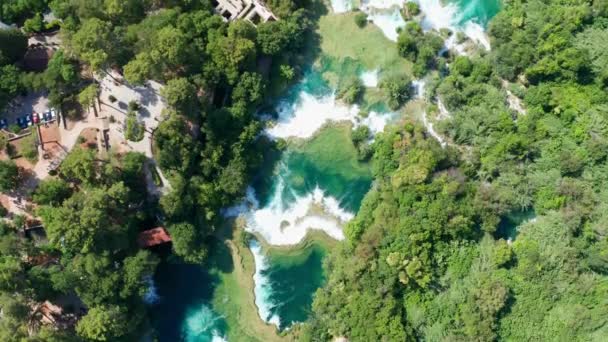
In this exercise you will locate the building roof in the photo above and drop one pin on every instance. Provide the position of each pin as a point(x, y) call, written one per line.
point(153, 237)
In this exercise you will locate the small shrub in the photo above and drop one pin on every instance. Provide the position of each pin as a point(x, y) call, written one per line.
point(350, 90)
point(134, 131)
point(80, 139)
point(410, 10)
point(112, 119)
point(112, 98)
point(360, 135)
point(361, 19)
point(398, 90)
point(133, 106)
point(14, 128)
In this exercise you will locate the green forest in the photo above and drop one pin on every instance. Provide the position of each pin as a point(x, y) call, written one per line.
point(424, 259)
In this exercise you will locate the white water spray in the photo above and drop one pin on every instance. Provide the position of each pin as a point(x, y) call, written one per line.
point(262, 289)
point(370, 78)
point(305, 116)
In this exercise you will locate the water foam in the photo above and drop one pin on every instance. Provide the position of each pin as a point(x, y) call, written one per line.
point(262, 289)
point(388, 22)
point(370, 78)
point(200, 325)
point(341, 6)
point(151, 296)
point(439, 16)
point(287, 224)
point(305, 116)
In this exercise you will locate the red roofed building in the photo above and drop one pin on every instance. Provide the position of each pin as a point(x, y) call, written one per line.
point(153, 237)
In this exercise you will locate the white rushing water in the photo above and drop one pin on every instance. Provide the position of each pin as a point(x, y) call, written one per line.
point(287, 224)
point(305, 116)
point(262, 290)
point(437, 15)
point(370, 78)
point(200, 325)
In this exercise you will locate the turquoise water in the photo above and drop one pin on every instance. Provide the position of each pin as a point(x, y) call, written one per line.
point(289, 282)
point(509, 224)
point(294, 280)
point(479, 11)
point(184, 311)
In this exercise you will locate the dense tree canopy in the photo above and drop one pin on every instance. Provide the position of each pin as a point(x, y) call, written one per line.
point(425, 257)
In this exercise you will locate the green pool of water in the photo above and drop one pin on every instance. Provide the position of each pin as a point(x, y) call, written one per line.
point(508, 226)
point(292, 280)
point(184, 312)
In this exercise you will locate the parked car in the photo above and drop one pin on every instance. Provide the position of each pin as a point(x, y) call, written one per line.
point(46, 116)
point(3, 124)
point(53, 114)
point(28, 120)
point(35, 118)
point(21, 122)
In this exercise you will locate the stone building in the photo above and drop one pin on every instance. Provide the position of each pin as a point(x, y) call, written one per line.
point(252, 10)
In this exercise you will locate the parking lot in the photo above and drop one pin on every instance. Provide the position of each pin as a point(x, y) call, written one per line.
point(21, 111)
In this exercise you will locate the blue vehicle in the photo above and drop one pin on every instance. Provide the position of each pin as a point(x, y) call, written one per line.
point(3, 124)
point(21, 122)
point(46, 116)
point(28, 119)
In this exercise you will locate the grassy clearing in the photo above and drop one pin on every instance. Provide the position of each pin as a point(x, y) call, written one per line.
point(342, 38)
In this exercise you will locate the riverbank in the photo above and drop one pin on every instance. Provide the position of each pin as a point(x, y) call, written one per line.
point(234, 295)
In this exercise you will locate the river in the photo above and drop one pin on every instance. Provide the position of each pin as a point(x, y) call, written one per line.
point(315, 185)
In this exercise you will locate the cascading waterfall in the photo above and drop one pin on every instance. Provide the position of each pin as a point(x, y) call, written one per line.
point(305, 112)
point(262, 290)
point(467, 16)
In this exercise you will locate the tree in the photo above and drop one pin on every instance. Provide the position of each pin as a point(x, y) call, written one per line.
point(361, 19)
point(13, 45)
point(137, 269)
point(87, 96)
point(9, 175)
point(350, 90)
point(10, 84)
point(79, 165)
point(138, 70)
point(104, 323)
point(93, 43)
point(187, 243)
point(180, 93)
point(398, 90)
point(34, 24)
point(52, 192)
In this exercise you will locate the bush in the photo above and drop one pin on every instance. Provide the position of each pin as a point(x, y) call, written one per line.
point(350, 90)
point(134, 131)
point(410, 10)
point(398, 90)
point(133, 106)
point(112, 98)
point(34, 24)
point(360, 135)
point(361, 19)
point(29, 148)
point(14, 128)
